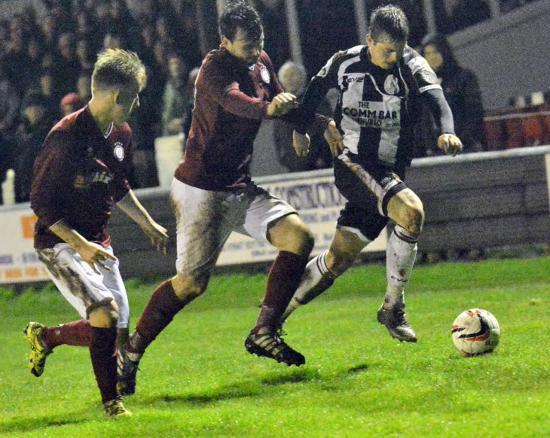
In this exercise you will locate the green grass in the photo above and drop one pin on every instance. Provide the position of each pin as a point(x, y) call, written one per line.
point(197, 379)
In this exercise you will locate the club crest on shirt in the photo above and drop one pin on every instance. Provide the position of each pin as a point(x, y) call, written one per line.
point(391, 86)
point(264, 74)
point(118, 151)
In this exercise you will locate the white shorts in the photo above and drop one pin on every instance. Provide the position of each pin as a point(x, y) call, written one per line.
point(81, 286)
point(205, 219)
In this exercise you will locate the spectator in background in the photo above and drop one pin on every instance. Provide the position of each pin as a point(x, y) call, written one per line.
point(34, 63)
point(30, 135)
point(4, 36)
point(113, 41)
point(175, 96)
point(70, 103)
point(84, 86)
point(84, 55)
point(461, 90)
point(49, 31)
point(15, 61)
point(48, 91)
point(293, 78)
point(87, 29)
point(9, 106)
point(146, 126)
point(9, 111)
point(67, 65)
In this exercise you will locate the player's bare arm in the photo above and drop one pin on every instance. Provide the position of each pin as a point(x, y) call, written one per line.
point(136, 211)
point(91, 252)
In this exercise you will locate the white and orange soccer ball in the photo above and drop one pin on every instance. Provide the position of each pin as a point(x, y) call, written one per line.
point(475, 331)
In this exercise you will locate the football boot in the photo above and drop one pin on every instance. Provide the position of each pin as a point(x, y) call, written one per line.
point(396, 323)
point(115, 409)
point(267, 342)
point(39, 351)
point(126, 373)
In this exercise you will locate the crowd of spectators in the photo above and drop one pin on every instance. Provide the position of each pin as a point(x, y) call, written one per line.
point(46, 59)
point(46, 63)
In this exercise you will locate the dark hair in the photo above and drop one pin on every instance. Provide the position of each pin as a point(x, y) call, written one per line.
point(240, 15)
point(389, 20)
point(118, 68)
point(443, 47)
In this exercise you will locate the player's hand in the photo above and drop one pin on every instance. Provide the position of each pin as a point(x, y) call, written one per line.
point(95, 255)
point(158, 235)
point(301, 143)
point(281, 104)
point(449, 143)
point(334, 139)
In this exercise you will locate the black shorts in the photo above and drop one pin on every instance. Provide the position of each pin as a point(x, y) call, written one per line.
point(368, 193)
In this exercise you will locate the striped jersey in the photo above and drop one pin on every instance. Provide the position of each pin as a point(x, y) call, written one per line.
point(377, 109)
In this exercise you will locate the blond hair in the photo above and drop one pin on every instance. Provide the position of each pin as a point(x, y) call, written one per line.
point(118, 68)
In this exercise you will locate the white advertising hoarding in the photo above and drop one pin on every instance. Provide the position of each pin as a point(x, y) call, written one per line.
point(312, 193)
point(18, 260)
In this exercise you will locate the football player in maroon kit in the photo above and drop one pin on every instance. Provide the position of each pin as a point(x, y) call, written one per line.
point(213, 194)
point(79, 175)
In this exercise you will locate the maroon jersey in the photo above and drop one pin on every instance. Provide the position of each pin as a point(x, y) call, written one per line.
point(78, 176)
point(230, 102)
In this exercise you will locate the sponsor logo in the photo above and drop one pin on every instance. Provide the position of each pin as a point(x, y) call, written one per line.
point(118, 151)
point(351, 79)
point(84, 181)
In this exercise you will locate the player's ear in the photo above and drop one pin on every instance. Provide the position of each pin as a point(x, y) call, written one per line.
point(224, 41)
point(117, 97)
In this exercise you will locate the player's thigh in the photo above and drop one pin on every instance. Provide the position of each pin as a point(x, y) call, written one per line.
point(272, 220)
point(204, 221)
point(81, 286)
point(112, 280)
point(290, 233)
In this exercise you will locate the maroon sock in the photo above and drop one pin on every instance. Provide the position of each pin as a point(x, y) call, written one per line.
point(77, 333)
point(161, 309)
point(102, 352)
point(283, 280)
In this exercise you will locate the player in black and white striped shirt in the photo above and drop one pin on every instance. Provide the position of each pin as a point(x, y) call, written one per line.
point(381, 86)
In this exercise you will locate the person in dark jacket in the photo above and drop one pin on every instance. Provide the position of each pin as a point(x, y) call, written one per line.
point(461, 90)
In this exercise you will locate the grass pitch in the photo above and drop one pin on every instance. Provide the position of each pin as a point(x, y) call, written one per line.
point(197, 379)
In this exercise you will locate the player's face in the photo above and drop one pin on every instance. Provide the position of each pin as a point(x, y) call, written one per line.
point(385, 52)
point(127, 101)
point(244, 48)
point(433, 56)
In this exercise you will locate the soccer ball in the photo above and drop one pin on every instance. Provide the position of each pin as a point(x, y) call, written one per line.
point(475, 331)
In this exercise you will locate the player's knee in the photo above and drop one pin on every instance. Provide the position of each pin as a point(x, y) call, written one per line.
point(103, 314)
point(305, 239)
point(338, 263)
point(413, 218)
point(188, 287)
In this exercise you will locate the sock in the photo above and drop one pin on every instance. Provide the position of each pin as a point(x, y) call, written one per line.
point(284, 277)
point(78, 333)
point(122, 334)
point(102, 352)
point(400, 257)
point(161, 309)
point(316, 279)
